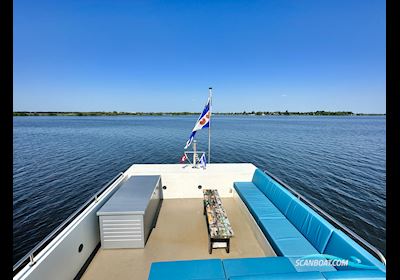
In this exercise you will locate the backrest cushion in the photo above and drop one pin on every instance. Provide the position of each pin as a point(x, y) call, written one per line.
point(262, 181)
point(316, 229)
point(279, 196)
point(342, 246)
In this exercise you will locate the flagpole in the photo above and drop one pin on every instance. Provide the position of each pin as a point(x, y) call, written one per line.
point(209, 129)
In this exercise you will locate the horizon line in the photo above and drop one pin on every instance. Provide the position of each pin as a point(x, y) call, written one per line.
point(188, 112)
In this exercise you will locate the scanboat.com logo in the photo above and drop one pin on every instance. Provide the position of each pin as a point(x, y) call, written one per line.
point(329, 260)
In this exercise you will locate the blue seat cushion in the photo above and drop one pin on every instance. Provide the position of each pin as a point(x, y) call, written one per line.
point(355, 274)
point(310, 224)
point(282, 276)
point(256, 266)
point(273, 190)
point(285, 238)
point(244, 185)
point(319, 263)
point(265, 211)
point(342, 246)
point(257, 203)
point(247, 189)
point(193, 269)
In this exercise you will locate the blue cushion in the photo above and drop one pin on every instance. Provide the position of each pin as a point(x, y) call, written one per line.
point(257, 203)
point(254, 198)
point(280, 197)
point(273, 190)
point(310, 224)
point(247, 188)
point(285, 238)
point(282, 276)
point(279, 228)
point(306, 265)
point(262, 207)
point(260, 201)
point(256, 266)
point(265, 212)
point(342, 246)
point(193, 269)
point(249, 193)
point(262, 181)
point(294, 247)
point(355, 274)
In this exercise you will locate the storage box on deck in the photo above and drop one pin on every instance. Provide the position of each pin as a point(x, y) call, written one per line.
point(128, 217)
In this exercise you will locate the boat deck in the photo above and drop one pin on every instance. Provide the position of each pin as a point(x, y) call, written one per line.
point(180, 234)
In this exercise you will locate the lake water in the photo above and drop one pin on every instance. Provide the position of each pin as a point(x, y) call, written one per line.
point(339, 163)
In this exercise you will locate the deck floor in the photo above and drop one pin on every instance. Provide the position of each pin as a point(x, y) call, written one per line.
point(180, 234)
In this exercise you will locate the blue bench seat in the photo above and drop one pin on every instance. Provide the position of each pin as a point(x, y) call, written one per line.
point(284, 237)
point(268, 268)
point(294, 229)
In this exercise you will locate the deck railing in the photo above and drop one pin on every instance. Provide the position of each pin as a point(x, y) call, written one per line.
point(29, 258)
point(362, 242)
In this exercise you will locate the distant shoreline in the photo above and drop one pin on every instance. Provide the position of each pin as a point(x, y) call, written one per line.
point(244, 113)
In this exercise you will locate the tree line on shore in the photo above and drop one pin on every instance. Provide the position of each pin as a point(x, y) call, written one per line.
point(255, 113)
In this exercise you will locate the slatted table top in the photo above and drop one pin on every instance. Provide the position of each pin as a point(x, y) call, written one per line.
point(218, 222)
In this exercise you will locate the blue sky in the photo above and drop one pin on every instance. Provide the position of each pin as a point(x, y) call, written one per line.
point(81, 55)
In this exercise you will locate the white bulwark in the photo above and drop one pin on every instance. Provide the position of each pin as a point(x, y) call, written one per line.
point(183, 181)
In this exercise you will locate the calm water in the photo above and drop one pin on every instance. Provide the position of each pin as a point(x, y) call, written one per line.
point(339, 163)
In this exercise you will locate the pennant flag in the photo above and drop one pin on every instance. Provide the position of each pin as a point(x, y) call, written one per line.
point(183, 158)
point(202, 122)
point(203, 161)
point(189, 141)
point(204, 118)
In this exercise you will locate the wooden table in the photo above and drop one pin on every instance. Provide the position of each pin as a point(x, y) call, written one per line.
point(219, 228)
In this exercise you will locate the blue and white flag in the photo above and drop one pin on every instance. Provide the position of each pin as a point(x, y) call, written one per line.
point(202, 122)
point(189, 141)
point(203, 161)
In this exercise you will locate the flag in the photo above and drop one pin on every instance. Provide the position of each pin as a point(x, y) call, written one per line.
point(203, 161)
point(189, 141)
point(202, 122)
point(204, 118)
point(183, 158)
